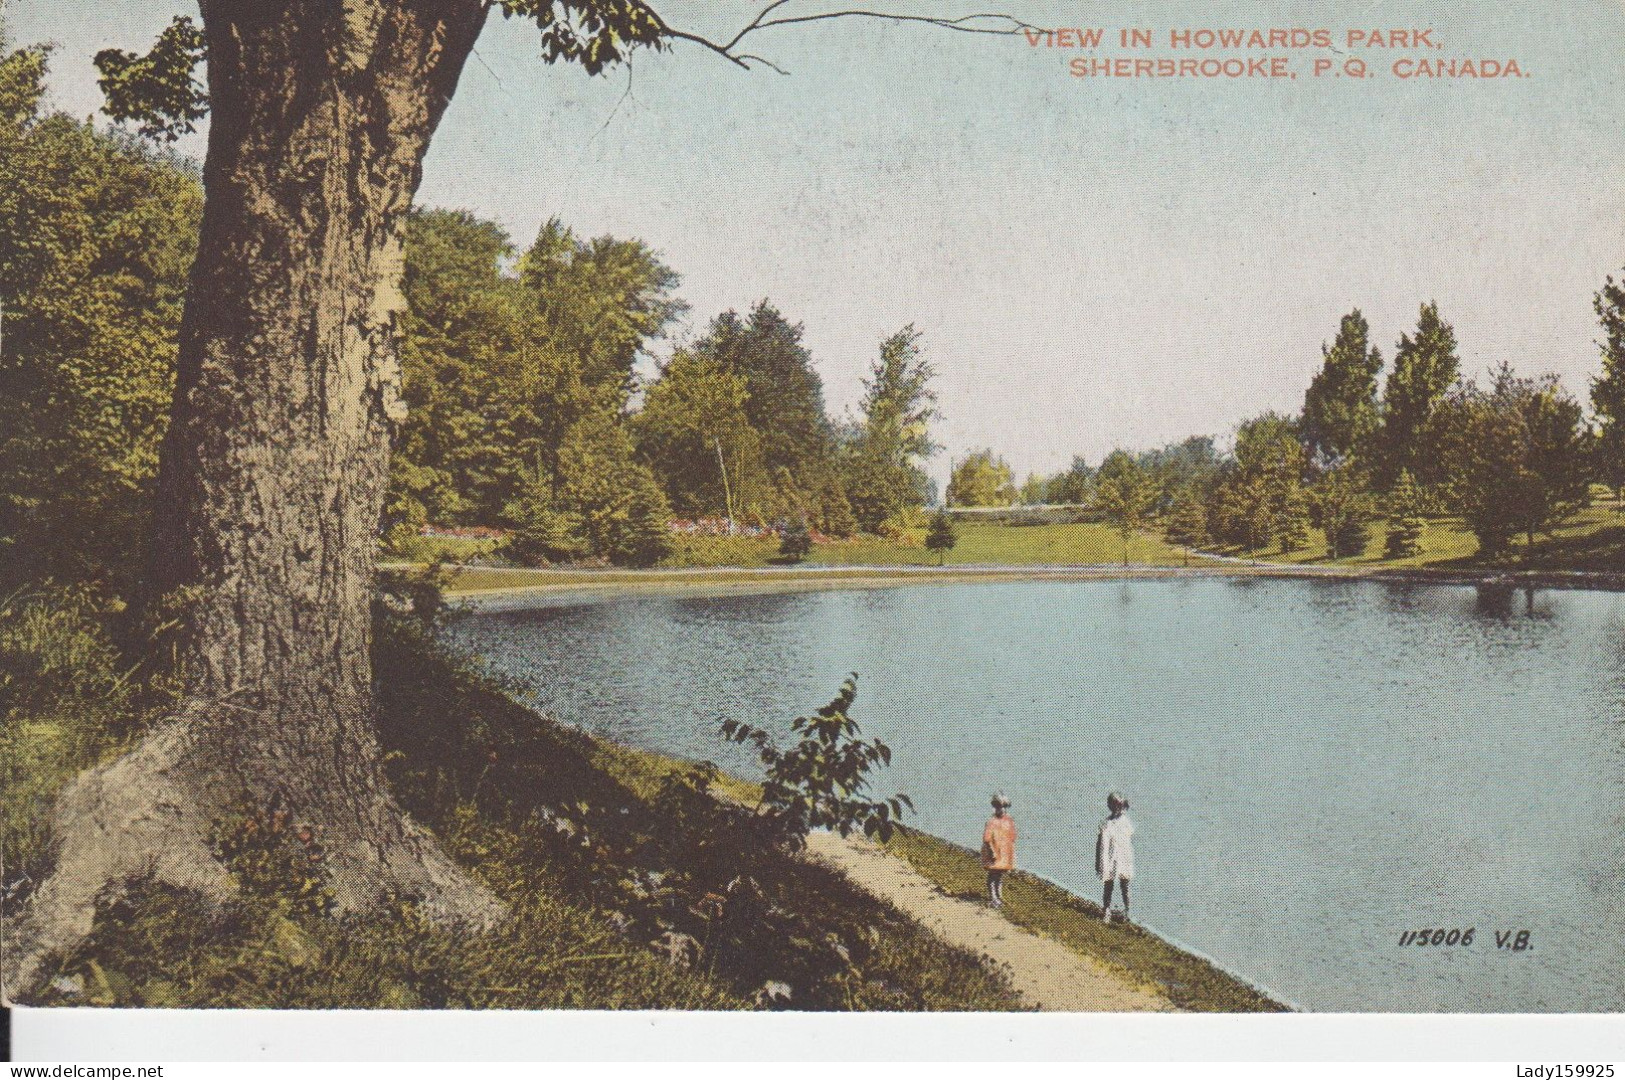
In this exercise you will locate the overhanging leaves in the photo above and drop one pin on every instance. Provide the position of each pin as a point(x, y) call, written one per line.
point(158, 91)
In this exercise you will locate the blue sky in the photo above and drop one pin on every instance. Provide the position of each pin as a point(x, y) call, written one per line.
point(1092, 262)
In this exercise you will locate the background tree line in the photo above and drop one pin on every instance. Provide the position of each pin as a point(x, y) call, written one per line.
point(1513, 456)
point(527, 409)
point(97, 233)
point(521, 369)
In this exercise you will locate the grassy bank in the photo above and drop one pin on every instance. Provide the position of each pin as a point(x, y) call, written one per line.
point(1140, 956)
point(979, 544)
point(982, 547)
point(629, 885)
point(633, 879)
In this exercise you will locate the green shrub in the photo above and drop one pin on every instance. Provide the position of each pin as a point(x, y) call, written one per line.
point(623, 518)
point(821, 782)
point(1404, 538)
point(697, 550)
point(893, 528)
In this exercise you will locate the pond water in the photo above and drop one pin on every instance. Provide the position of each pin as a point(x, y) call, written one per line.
point(1315, 767)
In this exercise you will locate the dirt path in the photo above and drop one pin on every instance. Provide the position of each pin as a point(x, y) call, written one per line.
point(1048, 974)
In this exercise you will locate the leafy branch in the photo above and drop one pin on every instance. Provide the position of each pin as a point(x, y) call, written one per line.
point(822, 781)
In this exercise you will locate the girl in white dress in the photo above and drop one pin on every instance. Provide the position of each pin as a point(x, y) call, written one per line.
point(1114, 854)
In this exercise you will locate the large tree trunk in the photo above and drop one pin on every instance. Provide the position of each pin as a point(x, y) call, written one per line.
point(274, 468)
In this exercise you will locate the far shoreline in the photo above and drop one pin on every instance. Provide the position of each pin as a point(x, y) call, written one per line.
point(552, 587)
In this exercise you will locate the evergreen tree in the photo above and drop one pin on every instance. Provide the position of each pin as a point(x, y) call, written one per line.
point(600, 503)
point(1340, 413)
point(1425, 368)
point(940, 536)
point(784, 396)
point(1187, 521)
point(1608, 389)
point(1291, 525)
point(1404, 518)
point(1261, 492)
point(1341, 508)
point(835, 512)
point(795, 541)
point(541, 530)
point(640, 533)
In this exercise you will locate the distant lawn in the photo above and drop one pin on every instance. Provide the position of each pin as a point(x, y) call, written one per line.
point(1016, 545)
point(979, 543)
point(1593, 540)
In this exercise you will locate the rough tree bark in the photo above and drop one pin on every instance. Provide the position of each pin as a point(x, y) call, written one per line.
point(273, 471)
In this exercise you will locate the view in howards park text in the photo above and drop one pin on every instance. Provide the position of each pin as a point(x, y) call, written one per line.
point(1407, 53)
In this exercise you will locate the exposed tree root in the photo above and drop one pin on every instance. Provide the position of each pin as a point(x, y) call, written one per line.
point(152, 814)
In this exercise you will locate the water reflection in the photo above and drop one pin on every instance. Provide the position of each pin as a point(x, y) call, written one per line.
point(1504, 602)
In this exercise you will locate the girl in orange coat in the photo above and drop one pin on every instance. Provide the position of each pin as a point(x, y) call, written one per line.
point(998, 848)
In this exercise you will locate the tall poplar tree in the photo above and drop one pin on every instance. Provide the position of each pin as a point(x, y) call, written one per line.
point(1425, 368)
point(1608, 389)
point(883, 453)
point(1340, 408)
